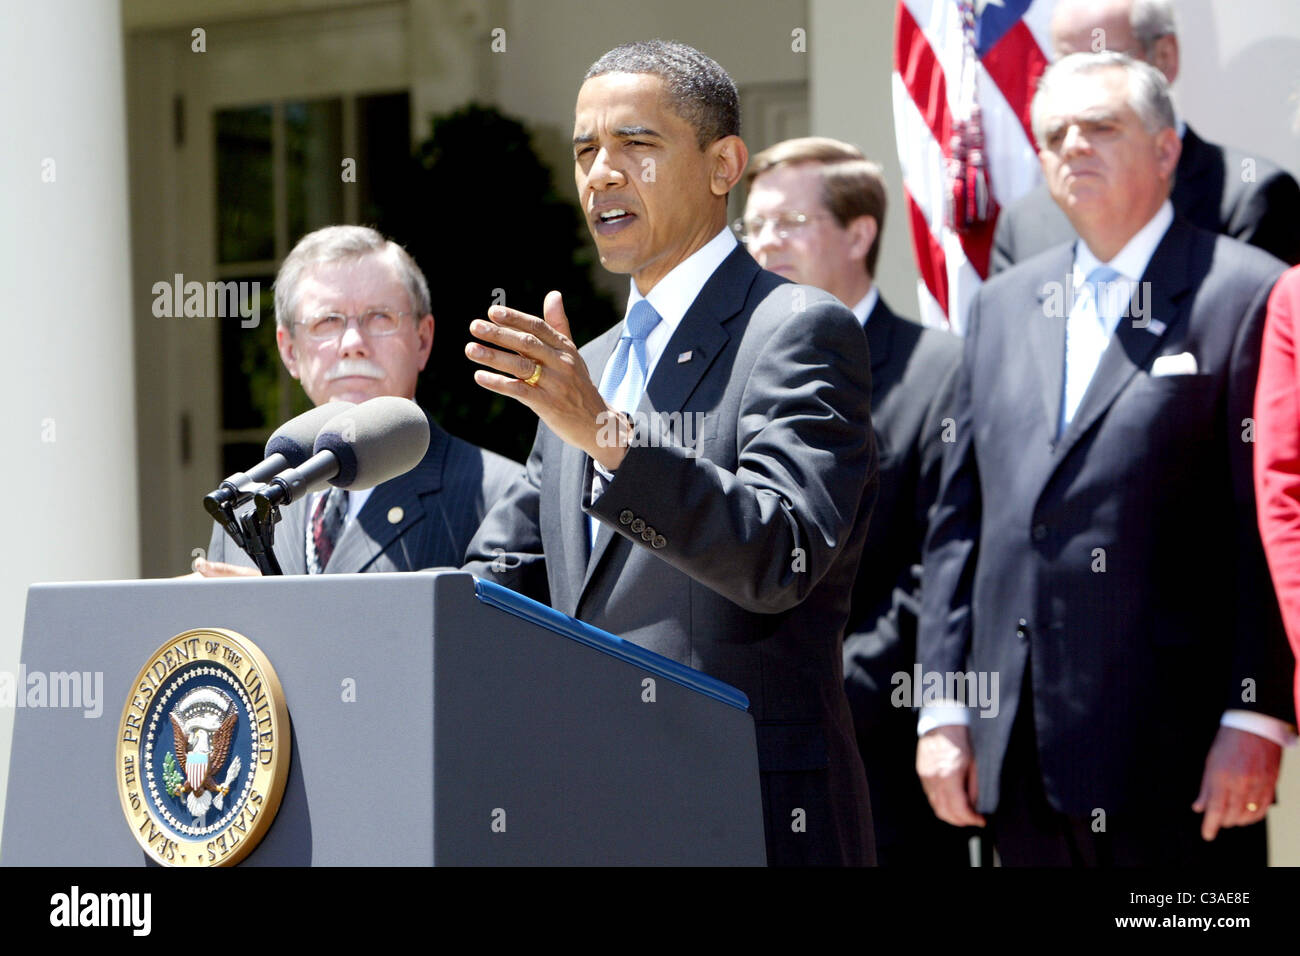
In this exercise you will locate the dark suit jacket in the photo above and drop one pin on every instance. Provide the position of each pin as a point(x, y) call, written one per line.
point(440, 503)
point(913, 377)
point(1118, 569)
point(748, 541)
point(1208, 191)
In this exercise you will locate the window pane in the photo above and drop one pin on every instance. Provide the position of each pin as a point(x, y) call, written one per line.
point(313, 165)
point(384, 144)
point(245, 224)
point(240, 456)
point(250, 366)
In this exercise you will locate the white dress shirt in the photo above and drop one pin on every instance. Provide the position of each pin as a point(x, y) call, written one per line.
point(864, 307)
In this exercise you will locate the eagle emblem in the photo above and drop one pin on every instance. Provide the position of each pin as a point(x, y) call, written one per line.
point(203, 723)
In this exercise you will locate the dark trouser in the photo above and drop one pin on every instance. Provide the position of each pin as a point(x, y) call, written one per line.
point(1027, 831)
point(908, 834)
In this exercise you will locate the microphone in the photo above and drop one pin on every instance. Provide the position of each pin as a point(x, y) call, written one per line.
point(364, 446)
point(288, 447)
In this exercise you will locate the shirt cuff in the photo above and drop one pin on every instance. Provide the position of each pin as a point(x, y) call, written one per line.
point(946, 713)
point(1261, 725)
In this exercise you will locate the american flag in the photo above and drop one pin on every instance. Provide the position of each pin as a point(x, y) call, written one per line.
point(964, 76)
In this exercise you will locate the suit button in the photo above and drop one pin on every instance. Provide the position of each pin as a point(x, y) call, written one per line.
point(1039, 532)
point(648, 534)
point(637, 526)
point(659, 541)
point(1022, 629)
point(624, 516)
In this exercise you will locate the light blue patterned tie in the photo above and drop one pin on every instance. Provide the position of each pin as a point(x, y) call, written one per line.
point(625, 377)
point(1087, 332)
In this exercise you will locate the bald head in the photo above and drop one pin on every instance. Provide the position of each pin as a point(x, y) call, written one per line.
point(1144, 29)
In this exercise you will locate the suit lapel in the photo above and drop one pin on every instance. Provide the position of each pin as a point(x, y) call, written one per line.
point(373, 530)
point(701, 337)
point(1130, 347)
point(1046, 336)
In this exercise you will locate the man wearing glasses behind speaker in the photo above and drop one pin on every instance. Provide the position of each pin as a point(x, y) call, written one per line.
point(353, 322)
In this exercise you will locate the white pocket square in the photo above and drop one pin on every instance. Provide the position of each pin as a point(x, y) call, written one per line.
point(1184, 363)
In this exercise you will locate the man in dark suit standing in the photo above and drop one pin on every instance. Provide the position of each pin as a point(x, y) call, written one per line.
point(1217, 188)
point(354, 322)
point(1094, 544)
point(698, 477)
point(815, 214)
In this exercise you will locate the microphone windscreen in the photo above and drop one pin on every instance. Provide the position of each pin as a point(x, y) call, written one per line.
point(376, 441)
point(296, 438)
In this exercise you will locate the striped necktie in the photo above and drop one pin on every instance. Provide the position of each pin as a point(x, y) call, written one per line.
point(326, 526)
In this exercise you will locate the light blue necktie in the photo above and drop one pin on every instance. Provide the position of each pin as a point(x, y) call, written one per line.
point(1087, 333)
point(624, 380)
point(625, 376)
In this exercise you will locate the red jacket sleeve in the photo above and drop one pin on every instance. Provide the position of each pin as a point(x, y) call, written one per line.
point(1277, 450)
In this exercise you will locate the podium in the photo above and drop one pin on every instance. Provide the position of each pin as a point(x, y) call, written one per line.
point(436, 720)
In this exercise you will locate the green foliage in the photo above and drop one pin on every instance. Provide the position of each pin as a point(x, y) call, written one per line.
point(172, 777)
point(480, 214)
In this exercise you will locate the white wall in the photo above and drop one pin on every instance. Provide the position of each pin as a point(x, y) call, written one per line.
point(851, 52)
point(550, 44)
point(69, 479)
point(1239, 82)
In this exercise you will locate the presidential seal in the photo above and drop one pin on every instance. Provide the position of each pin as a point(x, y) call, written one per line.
point(203, 750)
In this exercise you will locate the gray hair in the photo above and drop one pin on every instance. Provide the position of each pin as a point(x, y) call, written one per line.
point(1148, 91)
point(336, 243)
point(1150, 20)
point(699, 89)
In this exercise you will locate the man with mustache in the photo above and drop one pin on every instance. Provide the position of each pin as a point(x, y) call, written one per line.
point(353, 323)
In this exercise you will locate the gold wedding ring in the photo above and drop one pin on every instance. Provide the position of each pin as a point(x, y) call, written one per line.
point(1252, 807)
point(536, 376)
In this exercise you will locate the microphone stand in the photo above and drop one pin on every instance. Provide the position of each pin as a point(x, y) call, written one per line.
point(259, 538)
point(222, 508)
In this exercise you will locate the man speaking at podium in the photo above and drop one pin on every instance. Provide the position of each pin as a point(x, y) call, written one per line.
point(354, 323)
point(695, 482)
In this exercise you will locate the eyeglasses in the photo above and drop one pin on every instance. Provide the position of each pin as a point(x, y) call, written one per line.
point(785, 224)
point(331, 325)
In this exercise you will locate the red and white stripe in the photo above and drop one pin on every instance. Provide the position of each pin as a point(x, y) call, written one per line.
point(196, 769)
point(928, 51)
